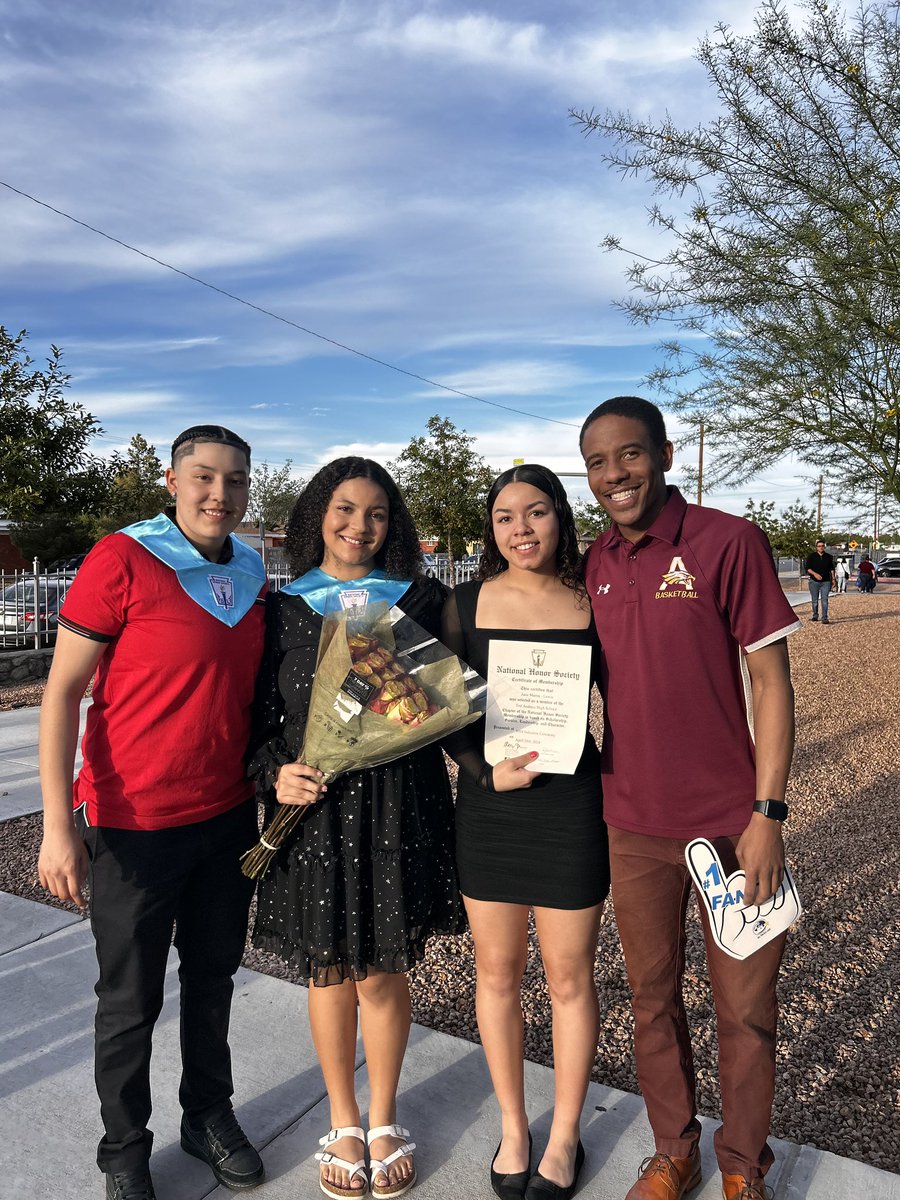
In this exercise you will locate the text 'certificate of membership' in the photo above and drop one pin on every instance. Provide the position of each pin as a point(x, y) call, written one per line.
point(537, 700)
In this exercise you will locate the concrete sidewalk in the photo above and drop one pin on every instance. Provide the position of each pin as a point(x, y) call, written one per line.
point(20, 791)
point(49, 1120)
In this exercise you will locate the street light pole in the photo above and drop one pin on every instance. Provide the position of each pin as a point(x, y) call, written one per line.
point(700, 467)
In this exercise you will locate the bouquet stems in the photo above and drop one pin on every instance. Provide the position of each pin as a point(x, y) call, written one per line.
point(256, 861)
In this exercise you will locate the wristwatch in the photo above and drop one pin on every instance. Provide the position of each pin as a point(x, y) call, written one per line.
point(776, 809)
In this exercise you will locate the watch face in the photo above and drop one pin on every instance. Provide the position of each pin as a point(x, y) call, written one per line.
point(775, 809)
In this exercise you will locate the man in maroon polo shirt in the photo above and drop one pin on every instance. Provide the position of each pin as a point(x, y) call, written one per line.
point(698, 737)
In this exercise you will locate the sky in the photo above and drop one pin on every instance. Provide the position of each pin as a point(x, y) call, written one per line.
point(400, 178)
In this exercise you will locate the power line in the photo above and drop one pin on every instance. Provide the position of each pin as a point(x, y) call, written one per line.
point(266, 312)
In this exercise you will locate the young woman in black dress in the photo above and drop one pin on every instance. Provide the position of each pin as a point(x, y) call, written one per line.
point(369, 877)
point(526, 840)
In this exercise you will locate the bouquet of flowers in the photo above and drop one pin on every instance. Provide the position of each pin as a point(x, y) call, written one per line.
point(383, 687)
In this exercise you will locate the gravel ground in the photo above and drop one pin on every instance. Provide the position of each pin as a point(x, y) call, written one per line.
point(838, 1070)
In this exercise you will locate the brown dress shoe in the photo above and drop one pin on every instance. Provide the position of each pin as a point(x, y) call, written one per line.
point(665, 1178)
point(736, 1187)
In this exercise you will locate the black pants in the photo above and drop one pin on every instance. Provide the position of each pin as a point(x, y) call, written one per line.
point(144, 883)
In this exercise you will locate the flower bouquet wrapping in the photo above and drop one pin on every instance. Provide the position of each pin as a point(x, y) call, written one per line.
point(383, 687)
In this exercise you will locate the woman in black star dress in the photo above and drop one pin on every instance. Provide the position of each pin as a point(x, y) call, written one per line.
point(369, 876)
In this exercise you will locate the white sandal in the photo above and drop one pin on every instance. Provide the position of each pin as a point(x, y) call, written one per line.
point(378, 1167)
point(358, 1168)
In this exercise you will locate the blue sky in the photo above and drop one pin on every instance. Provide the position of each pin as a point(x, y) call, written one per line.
point(399, 177)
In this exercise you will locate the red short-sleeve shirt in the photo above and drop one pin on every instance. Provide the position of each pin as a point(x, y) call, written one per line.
point(676, 613)
point(168, 727)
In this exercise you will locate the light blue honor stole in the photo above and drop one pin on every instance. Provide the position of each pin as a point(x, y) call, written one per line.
point(325, 594)
point(227, 591)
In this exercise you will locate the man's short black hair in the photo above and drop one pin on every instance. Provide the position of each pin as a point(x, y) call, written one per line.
point(217, 434)
point(635, 408)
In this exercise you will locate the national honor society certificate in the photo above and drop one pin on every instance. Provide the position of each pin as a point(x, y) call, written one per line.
point(537, 700)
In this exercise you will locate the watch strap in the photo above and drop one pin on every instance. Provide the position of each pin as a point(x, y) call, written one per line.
point(777, 810)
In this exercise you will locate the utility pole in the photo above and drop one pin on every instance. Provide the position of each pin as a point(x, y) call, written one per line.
point(875, 525)
point(700, 467)
point(819, 509)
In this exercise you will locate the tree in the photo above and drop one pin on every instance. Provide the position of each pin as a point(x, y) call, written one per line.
point(273, 494)
point(782, 251)
point(45, 466)
point(49, 482)
point(444, 483)
point(792, 533)
point(797, 533)
point(590, 519)
point(134, 491)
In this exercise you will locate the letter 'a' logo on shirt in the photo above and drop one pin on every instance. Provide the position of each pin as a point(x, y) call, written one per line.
point(223, 590)
point(677, 576)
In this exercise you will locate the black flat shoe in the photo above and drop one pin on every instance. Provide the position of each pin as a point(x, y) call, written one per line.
point(540, 1188)
point(511, 1187)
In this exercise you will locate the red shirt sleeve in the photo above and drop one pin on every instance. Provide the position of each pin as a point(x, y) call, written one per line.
point(96, 604)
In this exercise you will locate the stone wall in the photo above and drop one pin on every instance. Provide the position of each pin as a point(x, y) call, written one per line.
point(24, 666)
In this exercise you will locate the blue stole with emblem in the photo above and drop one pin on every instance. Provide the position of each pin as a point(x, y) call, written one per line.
point(227, 591)
point(325, 594)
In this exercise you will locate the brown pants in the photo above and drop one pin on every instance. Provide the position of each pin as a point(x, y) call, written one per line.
point(650, 887)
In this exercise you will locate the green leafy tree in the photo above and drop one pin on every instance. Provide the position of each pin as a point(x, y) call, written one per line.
point(45, 465)
point(273, 494)
point(50, 536)
point(134, 488)
point(444, 483)
point(780, 259)
point(49, 481)
point(792, 533)
point(763, 515)
point(590, 519)
point(797, 532)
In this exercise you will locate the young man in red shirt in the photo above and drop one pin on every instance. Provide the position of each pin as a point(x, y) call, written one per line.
point(692, 623)
point(169, 614)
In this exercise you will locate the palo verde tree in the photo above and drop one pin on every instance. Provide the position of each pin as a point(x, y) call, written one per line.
point(780, 222)
point(444, 483)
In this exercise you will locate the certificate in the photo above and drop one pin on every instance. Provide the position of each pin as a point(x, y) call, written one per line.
point(537, 700)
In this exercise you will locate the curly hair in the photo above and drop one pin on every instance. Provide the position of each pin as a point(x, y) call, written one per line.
point(569, 564)
point(400, 556)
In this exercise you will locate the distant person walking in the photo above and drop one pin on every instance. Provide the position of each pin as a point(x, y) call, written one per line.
point(819, 568)
point(842, 574)
point(865, 579)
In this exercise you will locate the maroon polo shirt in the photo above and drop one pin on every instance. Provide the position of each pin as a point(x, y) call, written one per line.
point(676, 613)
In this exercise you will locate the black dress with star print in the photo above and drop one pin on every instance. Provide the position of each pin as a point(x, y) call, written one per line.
point(370, 875)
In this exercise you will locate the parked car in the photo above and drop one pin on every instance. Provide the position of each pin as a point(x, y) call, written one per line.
point(21, 617)
point(67, 564)
point(888, 568)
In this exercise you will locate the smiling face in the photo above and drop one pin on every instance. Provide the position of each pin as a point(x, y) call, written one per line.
point(354, 528)
point(526, 528)
point(626, 472)
point(211, 488)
